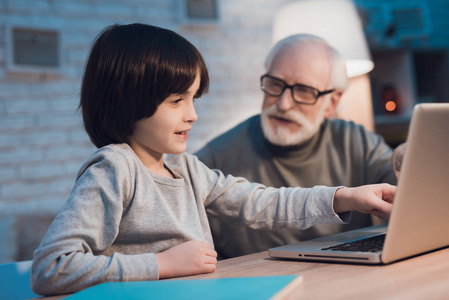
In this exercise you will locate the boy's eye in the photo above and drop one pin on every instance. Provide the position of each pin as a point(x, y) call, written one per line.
point(177, 101)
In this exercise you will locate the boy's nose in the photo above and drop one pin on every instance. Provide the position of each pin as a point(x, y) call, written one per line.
point(192, 116)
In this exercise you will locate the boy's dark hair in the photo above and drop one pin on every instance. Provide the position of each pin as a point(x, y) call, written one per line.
point(130, 71)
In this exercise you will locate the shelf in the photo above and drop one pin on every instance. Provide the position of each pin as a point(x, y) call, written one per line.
point(409, 76)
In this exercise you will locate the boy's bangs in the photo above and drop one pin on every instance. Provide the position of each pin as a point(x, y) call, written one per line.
point(185, 73)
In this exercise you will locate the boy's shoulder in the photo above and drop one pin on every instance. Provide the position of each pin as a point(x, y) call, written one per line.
point(116, 149)
point(114, 155)
point(115, 152)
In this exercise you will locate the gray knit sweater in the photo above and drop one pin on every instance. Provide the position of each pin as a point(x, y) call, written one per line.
point(120, 214)
point(341, 153)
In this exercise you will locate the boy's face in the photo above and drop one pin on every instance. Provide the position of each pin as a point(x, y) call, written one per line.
point(167, 130)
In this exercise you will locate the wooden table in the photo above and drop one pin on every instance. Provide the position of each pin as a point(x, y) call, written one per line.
point(421, 277)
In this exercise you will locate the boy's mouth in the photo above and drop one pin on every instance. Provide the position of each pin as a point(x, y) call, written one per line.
point(182, 134)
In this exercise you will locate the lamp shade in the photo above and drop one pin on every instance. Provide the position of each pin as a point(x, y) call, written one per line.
point(336, 21)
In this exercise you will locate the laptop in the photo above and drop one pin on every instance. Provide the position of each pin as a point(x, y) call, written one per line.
point(419, 221)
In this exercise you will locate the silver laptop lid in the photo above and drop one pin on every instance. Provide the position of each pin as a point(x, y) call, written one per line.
point(420, 218)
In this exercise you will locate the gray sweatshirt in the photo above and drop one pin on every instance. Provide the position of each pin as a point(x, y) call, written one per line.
point(120, 214)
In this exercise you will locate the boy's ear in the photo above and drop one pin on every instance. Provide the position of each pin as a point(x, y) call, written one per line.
point(335, 99)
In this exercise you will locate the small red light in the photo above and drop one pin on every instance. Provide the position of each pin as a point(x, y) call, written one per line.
point(390, 106)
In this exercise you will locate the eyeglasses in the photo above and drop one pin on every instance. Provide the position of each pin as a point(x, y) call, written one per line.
point(301, 93)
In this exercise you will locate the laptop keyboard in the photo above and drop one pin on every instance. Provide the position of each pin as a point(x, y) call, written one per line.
point(370, 244)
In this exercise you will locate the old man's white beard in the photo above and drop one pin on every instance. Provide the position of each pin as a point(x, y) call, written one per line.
point(282, 136)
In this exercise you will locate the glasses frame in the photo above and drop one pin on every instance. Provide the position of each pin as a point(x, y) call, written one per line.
point(287, 86)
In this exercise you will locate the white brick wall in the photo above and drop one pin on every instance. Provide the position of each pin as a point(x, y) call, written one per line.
point(42, 141)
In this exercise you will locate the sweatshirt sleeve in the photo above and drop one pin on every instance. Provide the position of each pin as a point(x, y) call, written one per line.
point(69, 257)
point(235, 199)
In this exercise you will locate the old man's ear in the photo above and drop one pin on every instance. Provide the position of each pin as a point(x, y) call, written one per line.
point(335, 100)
